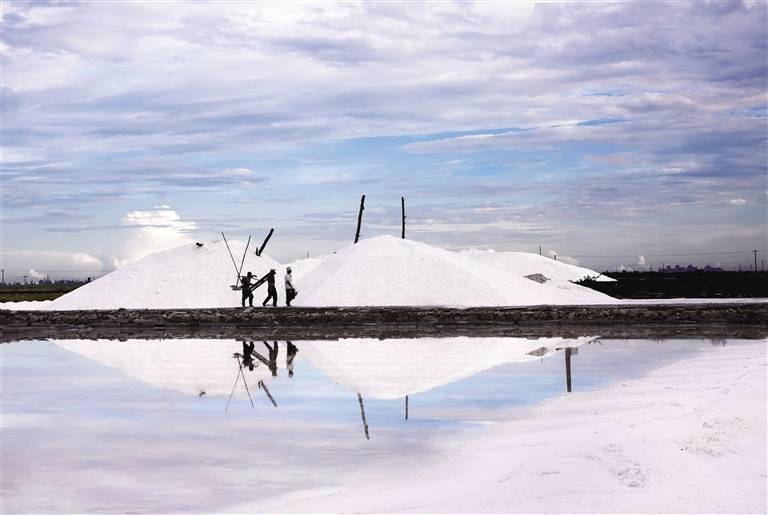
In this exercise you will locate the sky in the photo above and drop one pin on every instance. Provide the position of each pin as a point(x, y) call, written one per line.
point(611, 134)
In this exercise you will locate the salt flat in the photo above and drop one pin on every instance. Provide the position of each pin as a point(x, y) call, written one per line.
point(688, 438)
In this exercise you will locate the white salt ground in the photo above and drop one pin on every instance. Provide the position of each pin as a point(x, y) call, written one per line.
point(688, 438)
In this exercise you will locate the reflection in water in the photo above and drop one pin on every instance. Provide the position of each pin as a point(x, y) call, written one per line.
point(290, 355)
point(373, 369)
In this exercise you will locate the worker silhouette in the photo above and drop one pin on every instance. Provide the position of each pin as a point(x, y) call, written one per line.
point(271, 290)
point(245, 284)
point(290, 289)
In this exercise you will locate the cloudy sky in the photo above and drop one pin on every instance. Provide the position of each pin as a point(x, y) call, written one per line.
point(626, 131)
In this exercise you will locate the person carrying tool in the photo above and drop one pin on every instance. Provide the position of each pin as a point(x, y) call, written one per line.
point(271, 291)
point(290, 290)
point(245, 284)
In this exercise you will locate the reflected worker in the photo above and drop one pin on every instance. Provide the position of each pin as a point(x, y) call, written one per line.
point(272, 358)
point(248, 355)
point(289, 357)
point(271, 290)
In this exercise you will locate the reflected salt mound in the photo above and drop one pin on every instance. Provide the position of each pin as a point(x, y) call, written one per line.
point(189, 366)
point(392, 369)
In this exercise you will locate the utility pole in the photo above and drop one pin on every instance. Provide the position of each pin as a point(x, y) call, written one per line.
point(3, 273)
point(25, 280)
point(755, 252)
point(539, 250)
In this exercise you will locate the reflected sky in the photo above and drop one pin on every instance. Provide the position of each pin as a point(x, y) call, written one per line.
point(79, 435)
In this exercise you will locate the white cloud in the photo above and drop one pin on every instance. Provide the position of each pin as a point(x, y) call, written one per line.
point(154, 230)
point(640, 260)
point(737, 202)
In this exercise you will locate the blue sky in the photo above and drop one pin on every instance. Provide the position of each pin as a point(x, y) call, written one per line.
point(591, 129)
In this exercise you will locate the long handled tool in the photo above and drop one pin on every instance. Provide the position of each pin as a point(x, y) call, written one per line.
point(237, 379)
point(242, 261)
point(233, 258)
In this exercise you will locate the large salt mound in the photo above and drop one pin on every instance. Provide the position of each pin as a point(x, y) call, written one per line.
point(526, 264)
point(184, 277)
point(389, 271)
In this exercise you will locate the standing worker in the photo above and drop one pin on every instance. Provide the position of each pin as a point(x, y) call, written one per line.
point(290, 290)
point(271, 291)
point(245, 284)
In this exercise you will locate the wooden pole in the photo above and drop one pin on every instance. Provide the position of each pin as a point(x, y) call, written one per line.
point(264, 387)
point(264, 244)
point(568, 368)
point(362, 412)
point(406, 407)
point(360, 218)
point(402, 201)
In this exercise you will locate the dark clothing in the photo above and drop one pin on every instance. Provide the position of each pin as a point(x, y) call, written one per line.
point(272, 358)
point(290, 294)
point(271, 290)
point(289, 357)
point(245, 283)
point(248, 355)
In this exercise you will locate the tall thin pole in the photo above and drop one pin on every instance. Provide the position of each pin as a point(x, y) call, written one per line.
point(359, 218)
point(3, 272)
point(755, 252)
point(568, 369)
point(362, 412)
point(406, 407)
point(402, 202)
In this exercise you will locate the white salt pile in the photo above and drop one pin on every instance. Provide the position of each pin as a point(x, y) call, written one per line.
point(396, 368)
point(389, 271)
point(382, 271)
point(185, 277)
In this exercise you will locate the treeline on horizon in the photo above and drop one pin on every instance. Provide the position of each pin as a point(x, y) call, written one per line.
point(669, 285)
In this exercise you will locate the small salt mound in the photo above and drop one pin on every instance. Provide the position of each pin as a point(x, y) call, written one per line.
point(531, 264)
point(392, 369)
point(184, 277)
point(389, 271)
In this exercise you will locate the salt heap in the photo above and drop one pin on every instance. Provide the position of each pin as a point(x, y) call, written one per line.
point(389, 271)
point(184, 277)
